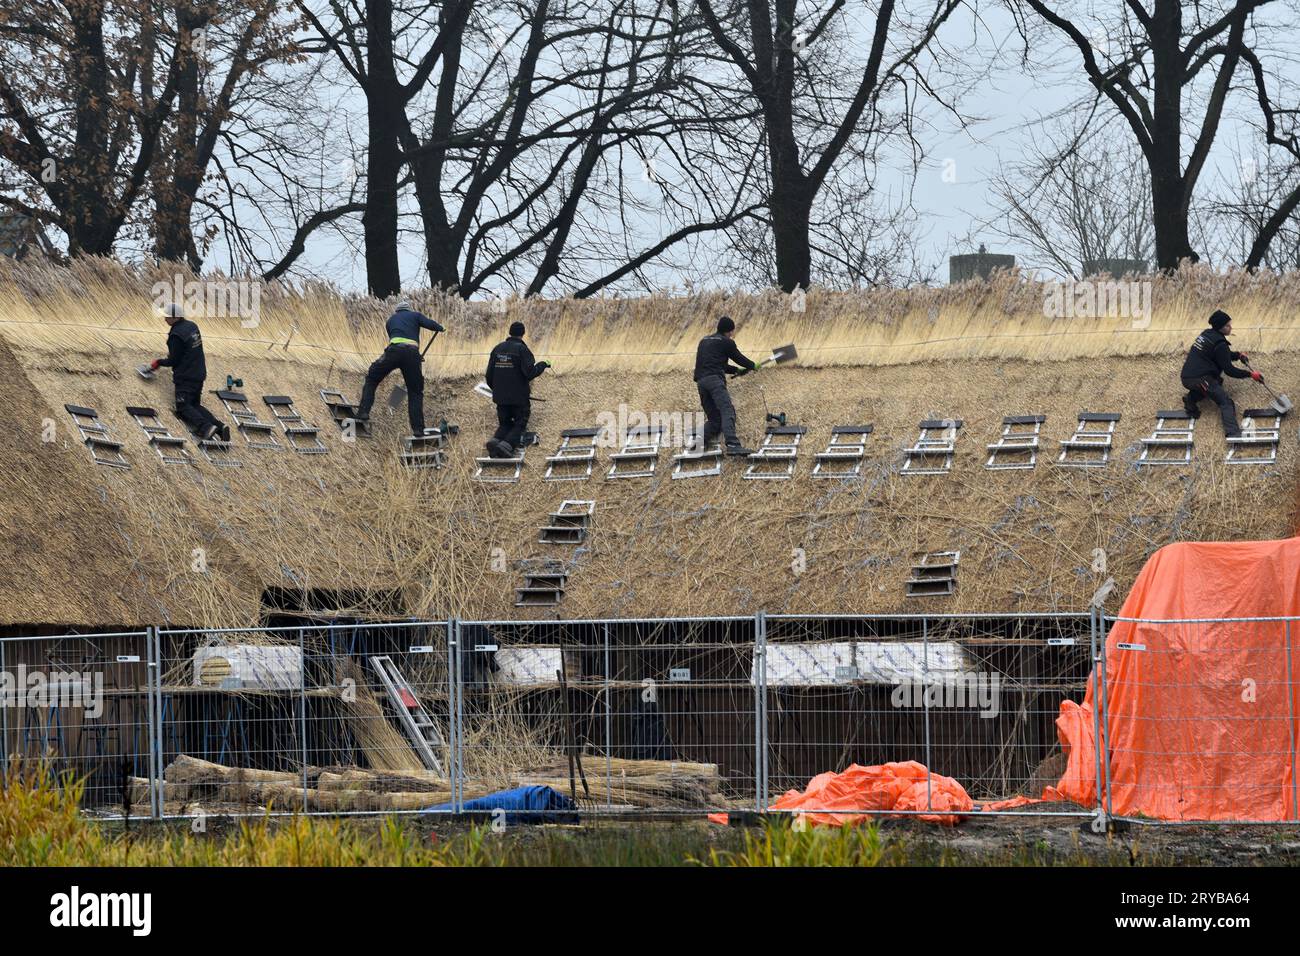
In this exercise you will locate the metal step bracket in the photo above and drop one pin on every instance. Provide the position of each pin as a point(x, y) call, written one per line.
point(257, 433)
point(1017, 447)
point(95, 436)
point(1091, 444)
point(302, 436)
point(775, 459)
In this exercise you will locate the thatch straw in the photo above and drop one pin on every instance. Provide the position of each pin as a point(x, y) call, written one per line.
point(119, 548)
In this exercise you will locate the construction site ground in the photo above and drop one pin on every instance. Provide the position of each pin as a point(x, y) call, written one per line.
point(1019, 839)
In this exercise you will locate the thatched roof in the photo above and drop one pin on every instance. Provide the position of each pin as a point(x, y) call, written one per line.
point(89, 546)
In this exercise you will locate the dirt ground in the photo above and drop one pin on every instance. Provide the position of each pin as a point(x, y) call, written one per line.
point(1012, 840)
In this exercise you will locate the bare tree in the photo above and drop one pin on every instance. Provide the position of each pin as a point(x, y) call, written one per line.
point(1168, 69)
point(223, 48)
point(72, 119)
point(1086, 196)
point(812, 117)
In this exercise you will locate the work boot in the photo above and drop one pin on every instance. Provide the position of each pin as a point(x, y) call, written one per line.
point(1192, 410)
point(499, 449)
point(739, 450)
point(225, 433)
point(1232, 434)
point(209, 431)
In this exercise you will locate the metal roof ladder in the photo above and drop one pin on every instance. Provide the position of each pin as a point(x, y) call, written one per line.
point(343, 411)
point(257, 433)
point(844, 456)
point(1171, 442)
point(424, 451)
point(170, 448)
point(639, 456)
point(933, 452)
point(1017, 447)
point(934, 574)
point(504, 471)
point(543, 586)
point(103, 449)
point(419, 726)
point(697, 460)
point(302, 436)
point(1090, 445)
point(569, 524)
point(1261, 431)
point(574, 457)
point(776, 457)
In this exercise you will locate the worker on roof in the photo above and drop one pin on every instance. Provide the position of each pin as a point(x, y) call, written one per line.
point(1209, 359)
point(511, 369)
point(713, 360)
point(402, 352)
point(189, 370)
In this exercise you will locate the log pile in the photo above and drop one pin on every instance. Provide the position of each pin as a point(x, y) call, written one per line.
point(634, 784)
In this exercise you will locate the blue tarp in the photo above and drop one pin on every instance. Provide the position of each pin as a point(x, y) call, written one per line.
point(534, 804)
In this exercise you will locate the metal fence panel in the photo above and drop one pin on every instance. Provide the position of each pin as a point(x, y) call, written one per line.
point(1198, 720)
point(672, 717)
point(80, 703)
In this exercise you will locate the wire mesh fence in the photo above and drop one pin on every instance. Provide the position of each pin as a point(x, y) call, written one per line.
point(1036, 713)
point(83, 704)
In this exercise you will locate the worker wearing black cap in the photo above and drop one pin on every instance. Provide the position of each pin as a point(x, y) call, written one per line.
point(713, 360)
point(1209, 359)
point(511, 369)
point(403, 352)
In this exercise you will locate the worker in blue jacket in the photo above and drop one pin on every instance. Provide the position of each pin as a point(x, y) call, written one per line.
point(402, 352)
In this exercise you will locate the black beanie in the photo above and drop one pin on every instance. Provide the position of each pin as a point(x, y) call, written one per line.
point(726, 325)
point(1219, 319)
point(517, 328)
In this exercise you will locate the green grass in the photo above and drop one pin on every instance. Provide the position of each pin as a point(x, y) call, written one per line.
point(41, 825)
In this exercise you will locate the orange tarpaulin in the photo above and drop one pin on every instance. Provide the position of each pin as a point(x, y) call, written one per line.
point(891, 786)
point(1200, 717)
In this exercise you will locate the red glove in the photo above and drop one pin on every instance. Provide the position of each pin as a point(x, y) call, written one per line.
point(154, 364)
point(1257, 377)
point(1242, 357)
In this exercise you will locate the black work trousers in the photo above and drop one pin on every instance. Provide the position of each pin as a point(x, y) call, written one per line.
point(1211, 388)
point(511, 422)
point(407, 358)
point(189, 407)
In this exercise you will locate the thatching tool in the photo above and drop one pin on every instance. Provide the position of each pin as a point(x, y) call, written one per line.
point(1281, 403)
point(779, 356)
point(145, 372)
point(427, 344)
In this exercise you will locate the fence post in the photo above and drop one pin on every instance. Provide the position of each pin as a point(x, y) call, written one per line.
point(453, 712)
point(1094, 615)
point(153, 710)
point(925, 704)
point(1290, 700)
point(609, 729)
point(302, 711)
point(4, 729)
point(1104, 744)
point(760, 712)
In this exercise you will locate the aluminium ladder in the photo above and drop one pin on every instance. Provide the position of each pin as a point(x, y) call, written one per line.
point(419, 726)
